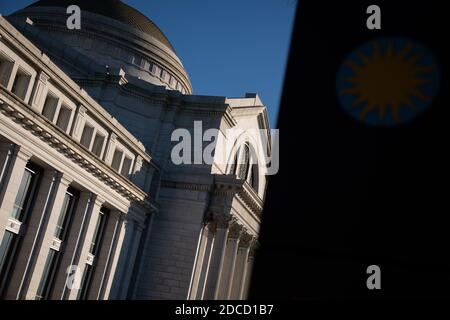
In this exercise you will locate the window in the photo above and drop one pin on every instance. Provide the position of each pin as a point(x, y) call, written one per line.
point(254, 177)
point(126, 166)
point(6, 66)
point(66, 213)
point(234, 164)
point(21, 82)
point(244, 163)
point(50, 105)
point(94, 250)
point(163, 74)
point(25, 194)
point(85, 282)
point(86, 136)
point(9, 246)
point(117, 159)
point(53, 258)
point(122, 162)
point(93, 139)
point(97, 147)
point(98, 233)
point(48, 275)
point(64, 118)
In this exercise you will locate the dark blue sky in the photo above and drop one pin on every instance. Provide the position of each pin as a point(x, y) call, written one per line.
point(228, 47)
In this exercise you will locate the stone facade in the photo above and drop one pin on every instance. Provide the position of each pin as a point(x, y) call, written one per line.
point(96, 128)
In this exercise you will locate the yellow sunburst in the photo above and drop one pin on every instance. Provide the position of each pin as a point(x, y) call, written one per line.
point(387, 81)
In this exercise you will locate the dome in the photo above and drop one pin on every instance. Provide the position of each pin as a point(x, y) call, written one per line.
point(112, 34)
point(114, 9)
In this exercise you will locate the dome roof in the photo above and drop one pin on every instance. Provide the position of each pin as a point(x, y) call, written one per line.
point(114, 9)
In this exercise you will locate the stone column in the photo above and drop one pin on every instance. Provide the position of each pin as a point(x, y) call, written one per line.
point(139, 228)
point(248, 271)
point(217, 256)
point(234, 234)
point(44, 235)
point(209, 235)
point(125, 256)
point(202, 263)
point(241, 266)
point(18, 159)
point(86, 243)
point(72, 249)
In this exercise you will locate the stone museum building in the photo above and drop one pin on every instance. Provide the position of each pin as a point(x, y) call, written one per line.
point(92, 206)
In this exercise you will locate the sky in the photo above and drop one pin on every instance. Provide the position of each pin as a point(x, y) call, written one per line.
point(228, 47)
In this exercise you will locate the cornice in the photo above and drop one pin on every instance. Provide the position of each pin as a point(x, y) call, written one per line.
point(51, 135)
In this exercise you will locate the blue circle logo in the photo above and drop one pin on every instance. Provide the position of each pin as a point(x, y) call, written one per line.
point(387, 82)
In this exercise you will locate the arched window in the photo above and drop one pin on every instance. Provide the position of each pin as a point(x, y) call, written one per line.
point(245, 166)
point(254, 177)
point(244, 163)
point(234, 164)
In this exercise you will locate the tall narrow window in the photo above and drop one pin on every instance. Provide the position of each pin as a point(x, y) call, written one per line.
point(94, 250)
point(234, 164)
point(66, 213)
point(98, 233)
point(21, 82)
point(244, 163)
point(54, 256)
point(48, 274)
point(6, 66)
point(254, 177)
point(23, 203)
point(25, 194)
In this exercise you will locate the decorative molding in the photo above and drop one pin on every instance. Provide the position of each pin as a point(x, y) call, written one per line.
point(246, 240)
point(235, 229)
point(65, 146)
point(185, 185)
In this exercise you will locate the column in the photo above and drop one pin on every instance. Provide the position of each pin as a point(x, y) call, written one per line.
point(217, 256)
point(248, 271)
point(18, 158)
point(209, 234)
point(241, 266)
point(86, 243)
point(194, 288)
point(114, 224)
point(74, 242)
point(43, 239)
point(234, 234)
point(125, 256)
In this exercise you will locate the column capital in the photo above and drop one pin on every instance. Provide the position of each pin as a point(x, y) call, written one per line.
point(235, 229)
point(23, 154)
point(246, 240)
point(217, 221)
point(43, 77)
point(65, 179)
point(82, 110)
point(254, 246)
point(112, 136)
point(99, 200)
